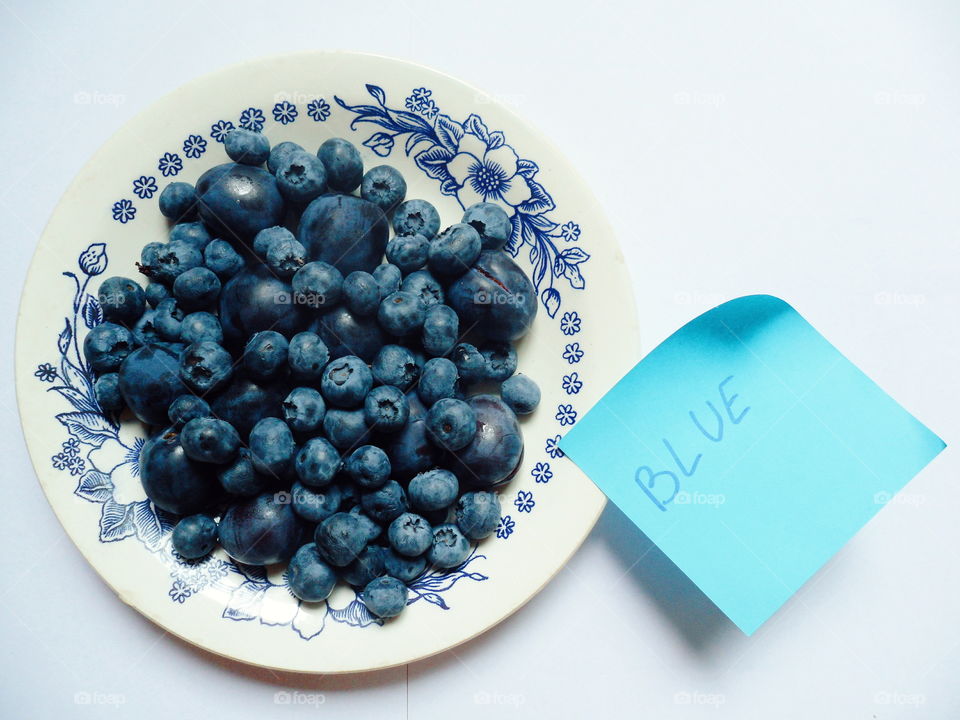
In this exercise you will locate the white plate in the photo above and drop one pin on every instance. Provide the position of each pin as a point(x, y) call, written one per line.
point(585, 337)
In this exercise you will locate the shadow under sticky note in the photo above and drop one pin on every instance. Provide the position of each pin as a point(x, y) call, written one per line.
point(749, 450)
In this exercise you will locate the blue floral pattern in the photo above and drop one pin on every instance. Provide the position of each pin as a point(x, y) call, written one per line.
point(46, 372)
point(542, 473)
point(566, 415)
point(570, 323)
point(318, 109)
point(219, 130)
point(572, 384)
point(170, 164)
point(124, 211)
point(552, 447)
point(524, 501)
point(252, 119)
point(284, 112)
point(505, 527)
point(145, 186)
point(573, 353)
point(194, 146)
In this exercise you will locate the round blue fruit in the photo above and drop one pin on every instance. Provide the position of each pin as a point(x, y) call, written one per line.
point(396, 365)
point(168, 319)
point(368, 565)
point(385, 503)
point(150, 381)
point(449, 548)
point(441, 329)
point(246, 146)
point(454, 251)
point(451, 423)
point(310, 578)
point(388, 277)
point(492, 224)
point(404, 569)
point(200, 327)
point(401, 313)
point(279, 152)
point(432, 490)
point(106, 346)
point(500, 360)
point(343, 164)
point(221, 257)
point(196, 289)
point(301, 177)
point(478, 514)
point(303, 409)
point(285, 258)
point(315, 505)
point(317, 285)
point(340, 539)
point(415, 217)
point(410, 535)
point(345, 231)
point(347, 334)
point(240, 479)
point(272, 447)
point(385, 409)
point(209, 440)
point(410, 450)
point(265, 355)
point(172, 480)
point(253, 300)
point(497, 448)
point(205, 367)
point(495, 296)
point(261, 531)
point(385, 597)
point(439, 379)
point(425, 286)
point(346, 382)
point(408, 252)
point(186, 408)
point(384, 186)
point(122, 300)
point(195, 536)
point(471, 365)
point(191, 233)
point(107, 391)
point(345, 428)
point(361, 293)
point(238, 201)
point(521, 394)
point(369, 467)
point(178, 201)
point(243, 402)
point(307, 356)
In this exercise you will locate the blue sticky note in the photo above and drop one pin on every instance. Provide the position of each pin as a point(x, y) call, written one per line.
point(749, 450)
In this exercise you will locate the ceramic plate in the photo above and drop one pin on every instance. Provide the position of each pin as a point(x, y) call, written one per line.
point(455, 146)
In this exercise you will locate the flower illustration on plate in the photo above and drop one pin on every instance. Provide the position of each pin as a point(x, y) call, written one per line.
point(285, 112)
point(524, 501)
point(75, 464)
point(570, 323)
point(572, 383)
point(179, 592)
point(170, 164)
point(541, 472)
point(124, 211)
point(552, 448)
point(219, 130)
point(486, 170)
point(60, 461)
point(566, 415)
point(46, 372)
point(93, 260)
point(572, 353)
point(71, 446)
point(252, 119)
point(318, 109)
point(570, 231)
point(118, 463)
point(194, 146)
point(417, 98)
point(429, 109)
point(505, 527)
point(145, 186)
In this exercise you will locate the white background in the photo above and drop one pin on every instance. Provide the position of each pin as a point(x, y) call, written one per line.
point(810, 152)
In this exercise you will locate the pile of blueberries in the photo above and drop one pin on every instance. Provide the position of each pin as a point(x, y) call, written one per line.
point(332, 397)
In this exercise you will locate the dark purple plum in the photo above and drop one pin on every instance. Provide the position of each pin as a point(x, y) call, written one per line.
point(494, 454)
point(261, 531)
point(348, 232)
point(238, 201)
point(150, 381)
point(254, 300)
point(173, 481)
point(495, 296)
point(411, 450)
point(347, 334)
point(244, 402)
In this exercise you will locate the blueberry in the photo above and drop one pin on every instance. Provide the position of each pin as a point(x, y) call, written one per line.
point(345, 428)
point(191, 233)
point(265, 355)
point(385, 503)
point(401, 313)
point(195, 536)
point(500, 360)
point(496, 450)
point(196, 288)
point(347, 334)
point(317, 285)
point(267, 237)
point(340, 539)
point(346, 382)
point(345, 231)
point(317, 462)
point(368, 565)
point(361, 293)
point(408, 252)
point(471, 365)
point(221, 257)
point(521, 394)
point(478, 514)
point(209, 440)
point(395, 365)
point(150, 381)
point(246, 146)
point(369, 467)
point(491, 222)
point(261, 531)
point(404, 569)
point(238, 201)
point(451, 424)
point(371, 531)
point(122, 300)
point(449, 548)
point(303, 409)
point(255, 300)
point(383, 186)
point(454, 251)
point(385, 597)
point(155, 293)
point(178, 200)
point(272, 448)
point(495, 296)
point(168, 320)
point(432, 490)
point(278, 154)
point(410, 535)
point(307, 356)
point(343, 163)
point(425, 286)
point(244, 402)
point(301, 177)
point(106, 346)
point(172, 480)
point(416, 216)
point(201, 326)
point(240, 479)
point(205, 367)
point(285, 257)
point(107, 392)
point(145, 331)
point(166, 262)
point(310, 578)
point(186, 408)
point(388, 277)
point(439, 379)
point(441, 328)
point(315, 505)
point(385, 409)
point(349, 499)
